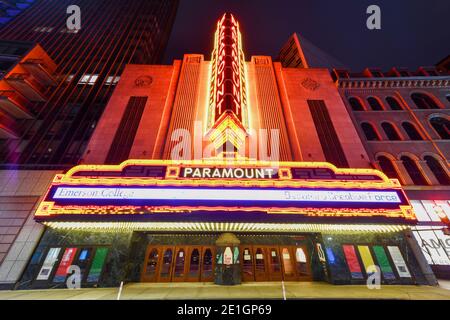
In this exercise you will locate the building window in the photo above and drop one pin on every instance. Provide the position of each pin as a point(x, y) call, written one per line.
point(112, 80)
point(437, 169)
point(387, 167)
point(424, 101)
point(88, 79)
point(390, 131)
point(442, 127)
point(393, 103)
point(328, 138)
point(370, 132)
point(413, 170)
point(411, 131)
point(43, 29)
point(356, 104)
point(375, 104)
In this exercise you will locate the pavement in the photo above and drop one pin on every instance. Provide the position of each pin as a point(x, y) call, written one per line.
point(255, 290)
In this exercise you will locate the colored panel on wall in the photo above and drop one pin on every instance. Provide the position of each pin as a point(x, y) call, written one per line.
point(366, 257)
point(352, 261)
point(330, 255)
point(97, 264)
point(48, 264)
point(399, 262)
point(65, 263)
point(383, 262)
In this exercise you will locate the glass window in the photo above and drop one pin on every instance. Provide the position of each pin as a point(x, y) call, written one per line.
point(287, 262)
point(152, 262)
point(390, 131)
point(375, 104)
point(179, 264)
point(247, 263)
point(166, 263)
point(355, 104)
point(259, 260)
point(275, 260)
point(207, 263)
point(424, 101)
point(438, 171)
point(300, 258)
point(413, 171)
point(388, 167)
point(194, 265)
point(442, 127)
point(370, 132)
point(393, 103)
point(411, 131)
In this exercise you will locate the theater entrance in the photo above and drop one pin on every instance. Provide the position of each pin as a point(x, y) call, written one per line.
point(275, 263)
point(165, 263)
point(178, 263)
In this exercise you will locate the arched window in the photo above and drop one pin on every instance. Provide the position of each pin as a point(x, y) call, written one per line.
point(374, 104)
point(437, 169)
point(393, 103)
point(390, 131)
point(411, 131)
point(424, 101)
point(370, 132)
point(442, 127)
point(413, 171)
point(388, 167)
point(355, 104)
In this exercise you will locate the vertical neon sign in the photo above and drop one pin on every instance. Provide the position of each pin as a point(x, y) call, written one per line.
point(227, 110)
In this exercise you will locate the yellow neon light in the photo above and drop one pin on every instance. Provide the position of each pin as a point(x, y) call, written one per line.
point(219, 162)
point(224, 227)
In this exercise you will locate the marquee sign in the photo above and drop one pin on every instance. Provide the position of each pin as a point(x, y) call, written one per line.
point(153, 187)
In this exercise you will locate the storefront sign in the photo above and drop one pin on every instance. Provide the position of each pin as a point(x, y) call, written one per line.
point(352, 261)
point(383, 262)
point(97, 264)
point(66, 262)
point(399, 262)
point(366, 257)
point(435, 246)
point(223, 194)
point(228, 256)
point(229, 173)
point(49, 263)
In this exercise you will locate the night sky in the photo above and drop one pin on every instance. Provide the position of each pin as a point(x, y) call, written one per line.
point(413, 33)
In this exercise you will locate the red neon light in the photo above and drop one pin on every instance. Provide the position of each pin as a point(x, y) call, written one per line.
point(227, 90)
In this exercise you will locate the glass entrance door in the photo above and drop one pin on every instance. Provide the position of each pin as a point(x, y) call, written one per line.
point(261, 269)
point(288, 263)
point(151, 264)
point(194, 264)
point(247, 263)
point(273, 257)
point(179, 268)
point(302, 263)
point(167, 258)
point(207, 264)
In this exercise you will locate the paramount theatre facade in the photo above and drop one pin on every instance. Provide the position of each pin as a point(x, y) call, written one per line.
point(225, 171)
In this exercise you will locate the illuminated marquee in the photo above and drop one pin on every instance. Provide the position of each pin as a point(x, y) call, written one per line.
point(227, 111)
point(154, 187)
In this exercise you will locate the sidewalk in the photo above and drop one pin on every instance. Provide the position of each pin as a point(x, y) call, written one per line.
point(258, 290)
